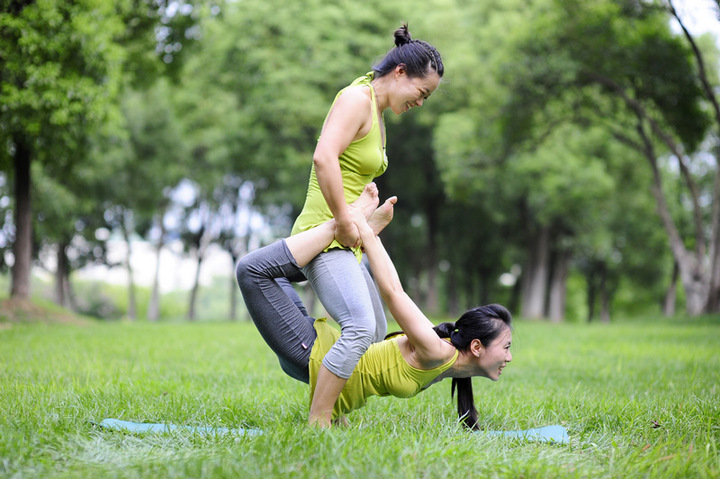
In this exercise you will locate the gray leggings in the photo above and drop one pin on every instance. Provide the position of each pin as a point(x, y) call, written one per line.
point(348, 293)
point(264, 278)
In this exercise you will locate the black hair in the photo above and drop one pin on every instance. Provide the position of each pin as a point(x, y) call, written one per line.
point(484, 323)
point(419, 57)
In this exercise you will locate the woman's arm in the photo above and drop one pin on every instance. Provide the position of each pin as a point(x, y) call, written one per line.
point(304, 246)
point(347, 121)
point(417, 327)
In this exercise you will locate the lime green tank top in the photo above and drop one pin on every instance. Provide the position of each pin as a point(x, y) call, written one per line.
point(362, 161)
point(381, 371)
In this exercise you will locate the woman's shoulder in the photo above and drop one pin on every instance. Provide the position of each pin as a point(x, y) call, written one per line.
point(354, 96)
point(444, 352)
point(429, 357)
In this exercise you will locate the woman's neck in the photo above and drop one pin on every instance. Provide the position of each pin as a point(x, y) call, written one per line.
point(380, 85)
point(464, 367)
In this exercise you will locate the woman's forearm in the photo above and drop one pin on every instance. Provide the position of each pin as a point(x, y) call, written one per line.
point(329, 177)
point(381, 264)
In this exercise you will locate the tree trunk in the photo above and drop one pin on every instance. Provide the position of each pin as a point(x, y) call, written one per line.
point(194, 291)
point(591, 293)
point(452, 292)
point(22, 247)
point(694, 277)
point(713, 302)
point(237, 249)
point(671, 293)
point(713, 294)
point(536, 276)
point(153, 313)
point(233, 299)
point(70, 293)
point(558, 287)
point(470, 289)
point(432, 298)
point(233, 290)
point(515, 294)
point(61, 273)
point(604, 297)
point(483, 287)
point(203, 243)
point(132, 308)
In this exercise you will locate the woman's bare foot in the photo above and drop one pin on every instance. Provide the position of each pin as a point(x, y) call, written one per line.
point(368, 200)
point(341, 421)
point(383, 215)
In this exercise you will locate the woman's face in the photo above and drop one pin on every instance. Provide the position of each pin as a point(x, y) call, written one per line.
point(495, 357)
point(411, 92)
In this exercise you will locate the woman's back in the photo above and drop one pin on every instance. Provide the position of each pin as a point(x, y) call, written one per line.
point(381, 371)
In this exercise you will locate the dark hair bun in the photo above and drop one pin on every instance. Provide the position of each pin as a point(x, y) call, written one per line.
point(402, 36)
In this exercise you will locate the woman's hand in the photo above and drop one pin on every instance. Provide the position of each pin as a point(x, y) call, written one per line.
point(346, 232)
point(361, 224)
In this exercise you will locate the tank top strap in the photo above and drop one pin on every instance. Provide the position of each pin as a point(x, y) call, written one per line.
point(366, 80)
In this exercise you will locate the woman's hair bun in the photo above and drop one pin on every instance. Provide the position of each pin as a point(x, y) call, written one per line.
point(402, 36)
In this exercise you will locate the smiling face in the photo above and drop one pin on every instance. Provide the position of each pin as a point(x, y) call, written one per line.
point(410, 92)
point(494, 358)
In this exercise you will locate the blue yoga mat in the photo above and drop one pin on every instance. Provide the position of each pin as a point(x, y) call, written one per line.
point(556, 434)
point(130, 426)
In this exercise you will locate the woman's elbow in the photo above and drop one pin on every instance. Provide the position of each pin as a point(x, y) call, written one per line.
point(392, 295)
point(323, 160)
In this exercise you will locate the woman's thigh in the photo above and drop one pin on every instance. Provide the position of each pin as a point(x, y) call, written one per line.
point(275, 307)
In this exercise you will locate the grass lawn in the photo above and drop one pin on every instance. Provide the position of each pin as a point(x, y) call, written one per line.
point(639, 399)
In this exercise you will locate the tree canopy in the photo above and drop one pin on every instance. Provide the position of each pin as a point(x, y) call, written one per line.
point(570, 152)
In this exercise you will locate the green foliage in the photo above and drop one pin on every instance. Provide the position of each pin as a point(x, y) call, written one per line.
point(61, 71)
point(639, 398)
point(119, 101)
point(565, 177)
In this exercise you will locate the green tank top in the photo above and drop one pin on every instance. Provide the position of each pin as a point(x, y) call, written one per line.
point(362, 161)
point(381, 371)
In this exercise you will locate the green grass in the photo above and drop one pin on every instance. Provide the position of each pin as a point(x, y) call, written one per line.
point(639, 399)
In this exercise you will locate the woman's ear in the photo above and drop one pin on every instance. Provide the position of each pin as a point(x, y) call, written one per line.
point(476, 348)
point(401, 69)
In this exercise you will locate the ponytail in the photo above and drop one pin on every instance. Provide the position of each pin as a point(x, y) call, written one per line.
point(484, 323)
point(465, 402)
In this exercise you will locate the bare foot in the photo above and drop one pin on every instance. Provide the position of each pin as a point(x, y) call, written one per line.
point(383, 215)
point(368, 200)
point(341, 421)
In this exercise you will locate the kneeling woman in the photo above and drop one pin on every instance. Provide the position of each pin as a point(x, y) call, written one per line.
point(478, 344)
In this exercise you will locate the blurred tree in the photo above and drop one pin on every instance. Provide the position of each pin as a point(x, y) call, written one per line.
point(61, 72)
point(236, 200)
point(61, 69)
point(648, 83)
point(707, 72)
point(67, 219)
point(152, 160)
point(505, 145)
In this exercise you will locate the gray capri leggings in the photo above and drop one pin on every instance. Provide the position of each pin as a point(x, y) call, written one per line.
point(264, 278)
point(349, 295)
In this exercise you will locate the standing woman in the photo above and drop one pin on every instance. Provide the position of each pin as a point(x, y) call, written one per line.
point(350, 153)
